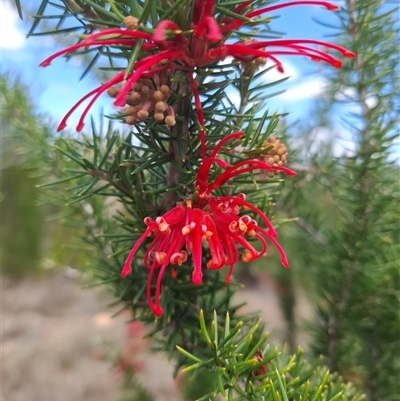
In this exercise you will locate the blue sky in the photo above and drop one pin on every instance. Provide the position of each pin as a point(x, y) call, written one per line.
point(57, 87)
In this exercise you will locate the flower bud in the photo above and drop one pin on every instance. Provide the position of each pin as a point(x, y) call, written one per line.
point(160, 107)
point(158, 96)
point(112, 92)
point(170, 121)
point(130, 120)
point(143, 114)
point(131, 23)
point(159, 117)
point(164, 89)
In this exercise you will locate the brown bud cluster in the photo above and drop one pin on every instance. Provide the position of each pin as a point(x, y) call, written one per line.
point(131, 23)
point(275, 154)
point(147, 99)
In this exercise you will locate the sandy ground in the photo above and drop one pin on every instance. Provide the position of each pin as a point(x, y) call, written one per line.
point(61, 343)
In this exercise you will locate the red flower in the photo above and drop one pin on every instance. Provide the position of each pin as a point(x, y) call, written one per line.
point(168, 47)
point(216, 220)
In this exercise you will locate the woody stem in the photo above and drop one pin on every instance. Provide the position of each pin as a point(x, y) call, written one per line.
point(179, 134)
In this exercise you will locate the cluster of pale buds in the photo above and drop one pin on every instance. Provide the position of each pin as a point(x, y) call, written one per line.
point(146, 99)
point(275, 154)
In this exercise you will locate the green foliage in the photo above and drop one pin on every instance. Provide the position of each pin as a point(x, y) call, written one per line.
point(246, 369)
point(197, 383)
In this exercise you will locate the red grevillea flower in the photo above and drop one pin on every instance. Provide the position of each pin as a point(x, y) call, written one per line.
point(218, 221)
point(169, 47)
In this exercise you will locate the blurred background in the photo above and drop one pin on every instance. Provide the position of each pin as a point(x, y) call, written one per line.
point(338, 221)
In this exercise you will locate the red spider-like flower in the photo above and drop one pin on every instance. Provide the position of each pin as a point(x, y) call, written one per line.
point(168, 47)
point(204, 218)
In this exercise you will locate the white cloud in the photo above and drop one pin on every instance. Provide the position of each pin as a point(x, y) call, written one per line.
point(10, 35)
point(308, 89)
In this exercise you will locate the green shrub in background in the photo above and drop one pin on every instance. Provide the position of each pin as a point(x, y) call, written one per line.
point(22, 222)
point(348, 206)
point(32, 235)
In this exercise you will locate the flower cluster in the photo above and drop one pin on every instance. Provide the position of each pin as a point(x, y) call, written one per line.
point(169, 47)
point(217, 221)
